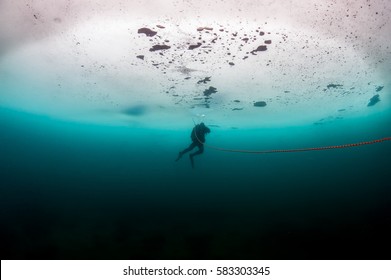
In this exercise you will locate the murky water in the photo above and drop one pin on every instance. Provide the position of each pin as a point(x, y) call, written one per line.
point(75, 191)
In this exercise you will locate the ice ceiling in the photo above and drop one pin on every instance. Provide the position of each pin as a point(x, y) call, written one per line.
point(160, 63)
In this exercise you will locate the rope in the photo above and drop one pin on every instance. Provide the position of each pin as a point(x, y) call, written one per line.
point(300, 150)
point(295, 150)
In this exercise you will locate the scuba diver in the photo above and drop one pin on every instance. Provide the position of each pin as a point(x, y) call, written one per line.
point(198, 140)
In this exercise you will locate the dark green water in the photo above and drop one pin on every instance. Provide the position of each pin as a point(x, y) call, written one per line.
point(78, 191)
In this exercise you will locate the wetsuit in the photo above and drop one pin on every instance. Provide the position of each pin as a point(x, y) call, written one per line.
point(198, 140)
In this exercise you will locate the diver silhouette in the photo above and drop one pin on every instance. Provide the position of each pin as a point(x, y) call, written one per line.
point(198, 139)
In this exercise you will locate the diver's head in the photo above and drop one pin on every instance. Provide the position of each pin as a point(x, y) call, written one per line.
point(204, 128)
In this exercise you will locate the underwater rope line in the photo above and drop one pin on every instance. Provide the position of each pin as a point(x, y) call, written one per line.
point(343, 146)
point(299, 150)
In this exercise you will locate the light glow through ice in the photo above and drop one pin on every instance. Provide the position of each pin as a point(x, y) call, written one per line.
point(86, 60)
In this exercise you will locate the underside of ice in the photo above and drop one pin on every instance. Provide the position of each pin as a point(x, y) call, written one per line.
point(162, 63)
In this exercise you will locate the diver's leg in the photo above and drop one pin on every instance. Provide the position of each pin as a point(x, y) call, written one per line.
point(188, 149)
point(200, 151)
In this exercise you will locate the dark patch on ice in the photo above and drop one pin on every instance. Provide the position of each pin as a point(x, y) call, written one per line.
point(261, 48)
point(237, 109)
point(147, 31)
point(327, 120)
point(204, 28)
point(379, 88)
point(323, 121)
point(57, 20)
point(210, 91)
point(375, 99)
point(159, 47)
point(341, 110)
point(137, 110)
point(160, 26)
point(185, 70)
point(192, 47)
point(260, 104)
point(237, 101)
point(334, 86)
point(261, 33)
point(140, 57)
point(213, 125)
point(202, 45)
point(205, 80)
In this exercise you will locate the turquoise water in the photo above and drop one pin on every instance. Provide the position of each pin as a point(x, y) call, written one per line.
point(81, 191)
